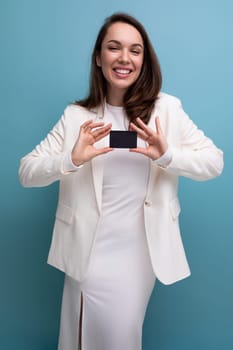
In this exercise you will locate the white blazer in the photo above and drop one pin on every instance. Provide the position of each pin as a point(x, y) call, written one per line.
point(79, 206)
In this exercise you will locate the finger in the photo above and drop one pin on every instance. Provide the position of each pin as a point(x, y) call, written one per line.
point(103, 130)
point(143, 126)
point(103, 150)
point(97, 125)
point(102, 135)
point(158, 126)
point(87, 123)
point(139, 150)
point(134, 127)
point(90, 125)
point(141, 133)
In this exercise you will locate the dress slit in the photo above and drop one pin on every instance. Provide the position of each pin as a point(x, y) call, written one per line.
point(80, 323)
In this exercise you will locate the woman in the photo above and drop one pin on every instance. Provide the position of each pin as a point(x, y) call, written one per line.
point(116, 227)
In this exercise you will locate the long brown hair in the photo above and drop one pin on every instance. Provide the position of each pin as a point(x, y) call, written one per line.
point(139, 99)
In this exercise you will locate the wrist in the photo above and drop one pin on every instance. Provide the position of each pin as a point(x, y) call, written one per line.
point(166, 158)
point(76, 162)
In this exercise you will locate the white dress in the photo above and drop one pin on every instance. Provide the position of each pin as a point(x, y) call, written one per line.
point(106, 311)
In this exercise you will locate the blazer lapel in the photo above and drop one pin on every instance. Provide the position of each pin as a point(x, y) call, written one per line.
point(153, 168)
point(98, 163)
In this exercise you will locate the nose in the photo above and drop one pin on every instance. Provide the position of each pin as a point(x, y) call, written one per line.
point(124, 57)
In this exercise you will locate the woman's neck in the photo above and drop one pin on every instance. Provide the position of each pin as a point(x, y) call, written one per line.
point(115, 97)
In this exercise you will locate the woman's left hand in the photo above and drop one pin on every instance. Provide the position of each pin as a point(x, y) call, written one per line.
point(157, 144)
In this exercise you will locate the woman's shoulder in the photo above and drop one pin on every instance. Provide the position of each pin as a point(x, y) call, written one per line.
point(75, 111)
point(165, 98)
point(169, 107)
point(74, 108)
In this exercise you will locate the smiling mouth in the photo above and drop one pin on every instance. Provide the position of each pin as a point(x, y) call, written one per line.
point(122, 71)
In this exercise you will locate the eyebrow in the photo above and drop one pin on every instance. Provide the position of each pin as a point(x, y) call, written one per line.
point(119, 43)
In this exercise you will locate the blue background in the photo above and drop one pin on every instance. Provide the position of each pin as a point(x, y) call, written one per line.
point(45, 56)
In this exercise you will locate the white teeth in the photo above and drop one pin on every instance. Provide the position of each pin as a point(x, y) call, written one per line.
point(122, 71)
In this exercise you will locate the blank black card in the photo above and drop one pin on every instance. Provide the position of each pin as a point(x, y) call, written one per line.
point(123, 139)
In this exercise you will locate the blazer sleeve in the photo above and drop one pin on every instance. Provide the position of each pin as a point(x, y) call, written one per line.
point(196, 156)
point(45, 164)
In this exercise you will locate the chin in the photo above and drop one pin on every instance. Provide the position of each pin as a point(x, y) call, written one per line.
point(123, 85)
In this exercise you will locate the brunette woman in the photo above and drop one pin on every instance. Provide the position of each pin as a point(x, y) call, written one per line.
point(116, 227)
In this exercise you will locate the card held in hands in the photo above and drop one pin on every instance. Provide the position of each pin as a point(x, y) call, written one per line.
point(123, 139)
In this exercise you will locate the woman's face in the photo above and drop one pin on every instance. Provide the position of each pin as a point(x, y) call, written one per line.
point(121, 57)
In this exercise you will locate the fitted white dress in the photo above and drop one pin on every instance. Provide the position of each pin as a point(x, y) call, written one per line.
point(107, 309)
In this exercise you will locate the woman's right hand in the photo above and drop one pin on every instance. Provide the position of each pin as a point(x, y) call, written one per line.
point(90, 132)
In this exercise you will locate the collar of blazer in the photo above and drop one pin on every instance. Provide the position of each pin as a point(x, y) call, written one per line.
point(98, 162)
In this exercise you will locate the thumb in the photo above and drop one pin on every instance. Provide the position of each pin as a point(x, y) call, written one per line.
point(158, 126)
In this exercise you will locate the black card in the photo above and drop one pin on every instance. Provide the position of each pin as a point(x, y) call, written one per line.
point(123, 139)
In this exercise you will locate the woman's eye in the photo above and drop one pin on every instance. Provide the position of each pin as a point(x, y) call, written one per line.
point(113, 48)
point(135, 52)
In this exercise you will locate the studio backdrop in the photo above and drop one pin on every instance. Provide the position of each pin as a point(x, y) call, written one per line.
point(45, 57)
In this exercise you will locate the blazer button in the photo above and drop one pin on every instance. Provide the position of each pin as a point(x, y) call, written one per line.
point(147, 203)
